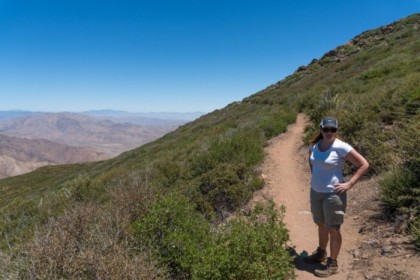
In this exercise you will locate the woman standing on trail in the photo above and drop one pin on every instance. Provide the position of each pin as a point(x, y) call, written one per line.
point(327, 155)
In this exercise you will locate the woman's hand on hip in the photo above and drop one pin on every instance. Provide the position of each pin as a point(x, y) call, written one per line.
point(342, 187)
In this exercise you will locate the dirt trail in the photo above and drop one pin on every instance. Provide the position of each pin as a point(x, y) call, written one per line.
point(286, 173)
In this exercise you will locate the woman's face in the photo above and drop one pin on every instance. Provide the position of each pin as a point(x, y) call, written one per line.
point(328, 133)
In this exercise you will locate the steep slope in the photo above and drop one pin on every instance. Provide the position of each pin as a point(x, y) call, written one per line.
point(371, 84)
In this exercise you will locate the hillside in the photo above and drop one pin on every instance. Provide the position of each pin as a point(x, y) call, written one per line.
point(161, 210)
point(20, 155)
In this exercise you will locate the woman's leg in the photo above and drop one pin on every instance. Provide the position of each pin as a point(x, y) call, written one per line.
point(333, 236)
point(335, 243)
point(332, 265)
point(321, 253)
point(334, 210)
point(323, 235)
point(317, 209)
point(318, 216)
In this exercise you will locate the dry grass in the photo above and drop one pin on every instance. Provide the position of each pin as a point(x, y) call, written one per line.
point(93, 242)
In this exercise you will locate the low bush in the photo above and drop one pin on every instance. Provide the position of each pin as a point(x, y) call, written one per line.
point(227, 187)
point(249, 248)
point(168, 173)
point(243, 146)
point(176, 231)
point(415, 231)
point(244, 248)
point(221, 177)
point(275, 123)
point(400, 189)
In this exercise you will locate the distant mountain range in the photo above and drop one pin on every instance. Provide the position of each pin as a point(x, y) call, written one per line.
point(6, 115)
point(144, 118)
point(29, 140)
point(152, 118)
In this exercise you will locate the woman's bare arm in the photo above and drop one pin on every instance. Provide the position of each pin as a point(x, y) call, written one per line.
point(362, 166)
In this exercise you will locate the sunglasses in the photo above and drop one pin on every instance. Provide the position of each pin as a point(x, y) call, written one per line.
point(329, 129)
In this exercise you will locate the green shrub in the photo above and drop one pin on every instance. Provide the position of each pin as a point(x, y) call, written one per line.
point(168, 173)
point(412, 105)
point(243, 146)
point(80, 189)
point(276, 120)
point(19, 217)
point(252, 248)
point(400, 189)
point(176, 231)
point(415, 231)
point(244, 248)
point(201, 163)
point(227, 187)
point(371, 74)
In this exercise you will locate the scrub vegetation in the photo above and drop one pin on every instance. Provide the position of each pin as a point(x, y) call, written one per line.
point(164, 210)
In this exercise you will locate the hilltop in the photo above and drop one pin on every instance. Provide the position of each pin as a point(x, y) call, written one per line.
point(166, 209)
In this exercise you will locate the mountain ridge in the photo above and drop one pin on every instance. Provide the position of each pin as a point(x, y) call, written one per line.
point(117, 115)
point(80, 130)
point(70, 138)
point(20, 155)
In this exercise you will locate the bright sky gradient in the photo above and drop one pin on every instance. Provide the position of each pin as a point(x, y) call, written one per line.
point(167, 55)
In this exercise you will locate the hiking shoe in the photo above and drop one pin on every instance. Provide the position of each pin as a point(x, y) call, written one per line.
point(330, 269)
point(318, 256)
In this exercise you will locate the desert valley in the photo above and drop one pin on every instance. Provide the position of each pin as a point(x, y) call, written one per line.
point(29, 140)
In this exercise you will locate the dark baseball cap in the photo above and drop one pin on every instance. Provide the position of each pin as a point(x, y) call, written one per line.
point(329, 122)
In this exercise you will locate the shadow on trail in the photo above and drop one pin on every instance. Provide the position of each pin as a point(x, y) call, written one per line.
point(300, 264)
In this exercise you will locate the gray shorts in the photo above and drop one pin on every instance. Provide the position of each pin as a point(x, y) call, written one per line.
point(328, 208)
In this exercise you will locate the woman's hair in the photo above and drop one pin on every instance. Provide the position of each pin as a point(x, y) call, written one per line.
point(319, 137)
point(316, 138)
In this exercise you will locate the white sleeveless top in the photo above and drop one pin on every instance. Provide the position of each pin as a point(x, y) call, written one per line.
point(327, 166)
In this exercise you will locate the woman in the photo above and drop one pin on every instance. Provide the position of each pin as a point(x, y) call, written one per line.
point(327, 155)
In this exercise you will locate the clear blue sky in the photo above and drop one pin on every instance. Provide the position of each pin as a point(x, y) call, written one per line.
point(177, 56)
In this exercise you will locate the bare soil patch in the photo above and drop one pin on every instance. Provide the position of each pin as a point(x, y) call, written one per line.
point(373, 247)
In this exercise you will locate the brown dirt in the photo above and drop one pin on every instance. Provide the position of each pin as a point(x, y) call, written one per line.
point(371, 247)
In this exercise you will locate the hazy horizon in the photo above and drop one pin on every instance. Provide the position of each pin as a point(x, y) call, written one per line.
point(99, 110)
